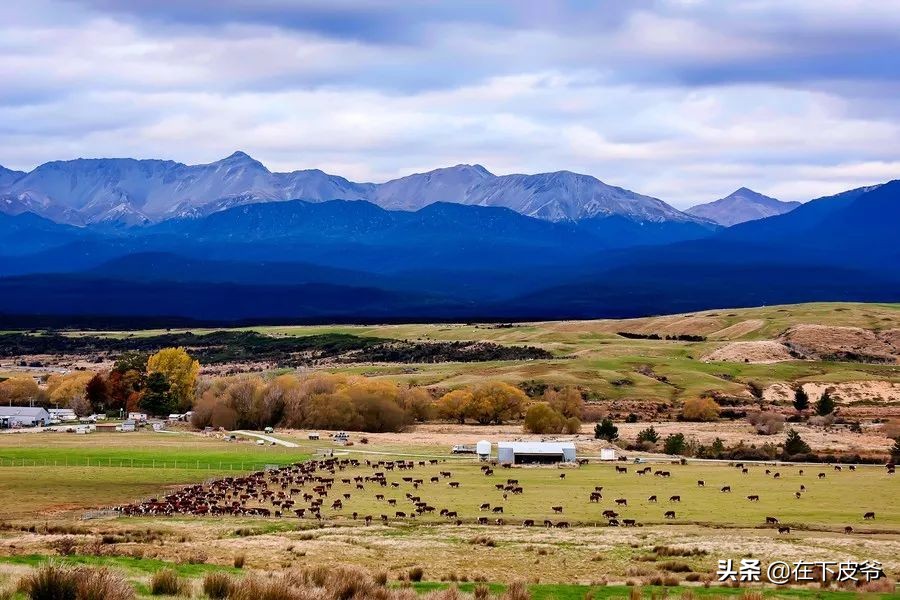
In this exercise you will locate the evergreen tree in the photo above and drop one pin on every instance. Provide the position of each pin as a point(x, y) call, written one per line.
point(675, 444)
point(605, 430)
point(801, 399)
point(825, 405)
point(157, 399)
point(648, 435)
point(794, 444)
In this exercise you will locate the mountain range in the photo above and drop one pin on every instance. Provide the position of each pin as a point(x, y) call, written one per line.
point(139, 192)
point(158, 241)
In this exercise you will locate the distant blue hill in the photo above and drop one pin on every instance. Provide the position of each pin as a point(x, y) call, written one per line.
point(352, 260)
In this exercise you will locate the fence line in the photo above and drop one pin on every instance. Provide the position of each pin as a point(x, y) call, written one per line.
point(126, 463)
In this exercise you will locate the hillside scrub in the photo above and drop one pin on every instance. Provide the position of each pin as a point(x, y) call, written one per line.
point(700, 409)
point(223, 347)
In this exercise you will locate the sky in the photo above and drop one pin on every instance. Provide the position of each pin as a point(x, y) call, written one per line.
point(685, 100)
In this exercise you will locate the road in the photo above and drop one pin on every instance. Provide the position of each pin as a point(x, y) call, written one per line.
point(265, 437)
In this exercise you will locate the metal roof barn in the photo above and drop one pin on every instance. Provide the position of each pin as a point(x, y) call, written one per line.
point(23, 416)
point(518, 453)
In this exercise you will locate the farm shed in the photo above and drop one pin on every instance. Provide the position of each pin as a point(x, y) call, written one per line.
point(483, 449)
point(519, 453)
point(607, 454)
point(62, 414)
point(23, 416)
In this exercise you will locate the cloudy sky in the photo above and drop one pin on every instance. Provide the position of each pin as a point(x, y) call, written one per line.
point(681, 99)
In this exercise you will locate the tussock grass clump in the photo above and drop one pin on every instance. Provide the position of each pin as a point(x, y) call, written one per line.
point(166, 582)
point(50, 582)
point(675, 566)
point(416, 574)
point(670, 551)
point(217, 586)
point(239, 560)
point(516, 591)
point(483, 540)
point(53, 582)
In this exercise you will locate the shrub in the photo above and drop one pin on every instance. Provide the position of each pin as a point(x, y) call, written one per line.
point(66, 546)
point(166, 583)
point(700, 409)
point(217, 585)
point(766, 423)
point(573, 425)
point(416, 574)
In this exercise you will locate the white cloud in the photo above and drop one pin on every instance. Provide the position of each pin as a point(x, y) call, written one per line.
point(645, 101)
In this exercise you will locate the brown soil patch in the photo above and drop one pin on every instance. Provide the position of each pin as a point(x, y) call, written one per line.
point(750, 352)
point(840, 343)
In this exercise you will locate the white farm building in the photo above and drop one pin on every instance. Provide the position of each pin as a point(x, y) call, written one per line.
point(519, 453)
point(23, 416)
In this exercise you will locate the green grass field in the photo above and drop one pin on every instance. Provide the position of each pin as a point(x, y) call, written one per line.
point(592, 356)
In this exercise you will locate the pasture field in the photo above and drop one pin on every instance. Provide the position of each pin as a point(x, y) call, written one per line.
point(39, 505)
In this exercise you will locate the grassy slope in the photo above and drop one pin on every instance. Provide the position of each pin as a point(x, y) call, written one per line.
point(592, 355)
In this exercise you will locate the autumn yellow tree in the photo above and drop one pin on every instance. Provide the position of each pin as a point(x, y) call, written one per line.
point(181, 372)
point(454, 405)
point(496, 402)
point(542, 418)
point(700, 409)
point(569, 401)
point(18, 390)
point(68, 390)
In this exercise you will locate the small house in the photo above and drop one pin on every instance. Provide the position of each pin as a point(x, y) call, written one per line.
point(519, 453)
point(127, 426)
point(138, 417)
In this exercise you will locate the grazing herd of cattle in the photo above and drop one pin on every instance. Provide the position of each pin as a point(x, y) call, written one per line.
point(303, 489)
